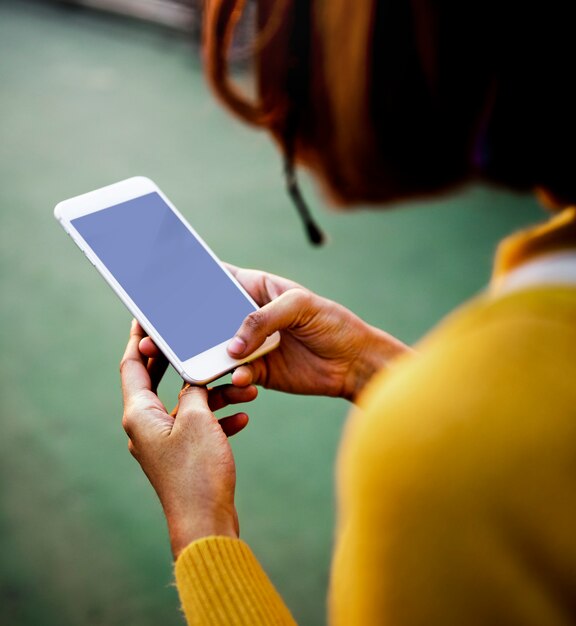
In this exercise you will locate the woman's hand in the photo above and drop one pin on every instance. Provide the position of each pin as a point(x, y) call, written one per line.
point(185, 454)
point(325, 349)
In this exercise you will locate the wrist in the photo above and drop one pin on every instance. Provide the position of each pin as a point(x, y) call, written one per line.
point(379, 350)
point(185, 529)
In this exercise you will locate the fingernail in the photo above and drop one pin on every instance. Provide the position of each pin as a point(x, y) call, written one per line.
point(236, 346)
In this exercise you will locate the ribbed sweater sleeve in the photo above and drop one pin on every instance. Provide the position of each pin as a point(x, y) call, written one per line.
point(220, 582)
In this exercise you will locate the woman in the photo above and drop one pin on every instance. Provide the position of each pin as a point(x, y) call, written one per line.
point(456, 476)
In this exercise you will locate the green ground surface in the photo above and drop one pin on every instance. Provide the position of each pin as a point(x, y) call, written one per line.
point(84, 101)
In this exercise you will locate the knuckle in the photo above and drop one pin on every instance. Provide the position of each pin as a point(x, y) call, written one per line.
point(299, 296)
point(255, 321)
point(127, 424)
point(299, 302)
point(131, 448)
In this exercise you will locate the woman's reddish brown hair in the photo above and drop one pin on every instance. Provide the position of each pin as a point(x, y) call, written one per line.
point(389, 99)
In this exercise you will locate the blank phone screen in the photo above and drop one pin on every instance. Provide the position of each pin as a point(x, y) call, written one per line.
point(170, 276)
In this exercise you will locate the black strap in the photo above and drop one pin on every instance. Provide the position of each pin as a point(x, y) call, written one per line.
point(297, 88)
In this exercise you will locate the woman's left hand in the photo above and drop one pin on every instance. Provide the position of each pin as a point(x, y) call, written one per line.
point(185, 454)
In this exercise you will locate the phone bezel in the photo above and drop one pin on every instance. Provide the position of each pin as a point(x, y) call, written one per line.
point(200, 369)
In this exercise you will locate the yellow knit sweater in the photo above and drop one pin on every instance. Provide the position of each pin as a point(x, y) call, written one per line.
point(456, 478)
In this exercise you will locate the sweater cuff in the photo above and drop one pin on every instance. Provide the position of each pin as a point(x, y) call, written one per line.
point(220, 581)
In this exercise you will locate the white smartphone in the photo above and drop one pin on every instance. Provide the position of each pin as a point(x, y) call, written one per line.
point(169, 279)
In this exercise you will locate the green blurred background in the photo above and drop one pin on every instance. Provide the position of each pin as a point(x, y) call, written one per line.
point(87, 99)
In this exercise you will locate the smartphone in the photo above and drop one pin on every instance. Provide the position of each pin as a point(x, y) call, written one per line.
point(163, 271)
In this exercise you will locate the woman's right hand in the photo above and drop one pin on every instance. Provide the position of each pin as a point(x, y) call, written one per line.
point(325, 349)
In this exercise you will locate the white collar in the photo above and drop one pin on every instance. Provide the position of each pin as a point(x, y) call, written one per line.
point(556, 268)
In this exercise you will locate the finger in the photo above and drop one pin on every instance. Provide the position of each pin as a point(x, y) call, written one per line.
point(133, 372)
point(262, 286)
point(174, 411)
point(234, 424)
point(157, 363)
point(233, 269)
point(224, 395)
point(253, 282)
point(149, 348)
point(286, 311)
point(156, 369)
point(244, 375)
point(253, 373)
point(193, 412)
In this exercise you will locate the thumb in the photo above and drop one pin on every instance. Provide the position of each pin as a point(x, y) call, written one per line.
point(286, 311)
point(193, 413)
